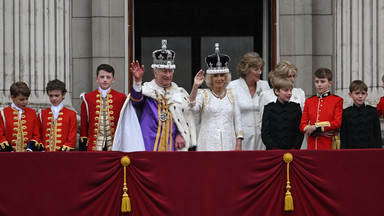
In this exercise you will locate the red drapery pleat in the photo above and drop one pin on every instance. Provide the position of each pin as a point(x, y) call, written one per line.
point(327, 182)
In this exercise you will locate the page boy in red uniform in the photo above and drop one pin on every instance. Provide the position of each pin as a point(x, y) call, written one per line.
point(58, 123)
point(19, 126)
point(100, 112)
point(322, 113)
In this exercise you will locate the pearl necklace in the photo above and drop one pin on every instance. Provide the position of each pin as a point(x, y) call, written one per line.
point(218, 96)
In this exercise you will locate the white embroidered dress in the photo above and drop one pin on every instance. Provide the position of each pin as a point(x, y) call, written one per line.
point(250, 115)
point(220, 121)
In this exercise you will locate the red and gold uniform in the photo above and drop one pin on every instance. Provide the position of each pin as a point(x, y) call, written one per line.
point(17, 132)
point(92, 113)
point(59, 134)
point(325, 111)
point(380, 107)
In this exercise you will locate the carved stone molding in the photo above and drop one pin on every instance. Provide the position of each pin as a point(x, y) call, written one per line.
point(359, 43)
point(34, 47)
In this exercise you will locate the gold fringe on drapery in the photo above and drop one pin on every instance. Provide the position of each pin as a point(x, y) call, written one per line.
point(288, 206)
point(125, 202)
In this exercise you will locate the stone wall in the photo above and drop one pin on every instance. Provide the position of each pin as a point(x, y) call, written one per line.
point(345, 36)
point(306, 37)
point(98, 36)
point(359, 43)
point(34, 47)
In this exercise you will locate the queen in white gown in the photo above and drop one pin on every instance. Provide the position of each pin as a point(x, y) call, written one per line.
point(248, 89)
point(284, 69)
point(220, 123)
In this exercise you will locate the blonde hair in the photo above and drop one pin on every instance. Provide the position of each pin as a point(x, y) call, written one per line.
point(208, 80)
point(282, 71)
point(282, 83)
point(249, 60)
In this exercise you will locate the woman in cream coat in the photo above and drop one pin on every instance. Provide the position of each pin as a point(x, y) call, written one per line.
point(248, 88)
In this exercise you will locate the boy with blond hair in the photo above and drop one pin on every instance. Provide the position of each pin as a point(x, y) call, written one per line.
point(281, 119)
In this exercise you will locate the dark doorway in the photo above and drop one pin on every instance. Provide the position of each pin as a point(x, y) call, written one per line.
point(192, 27)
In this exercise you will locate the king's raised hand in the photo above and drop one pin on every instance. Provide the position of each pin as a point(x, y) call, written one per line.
point(137, 71)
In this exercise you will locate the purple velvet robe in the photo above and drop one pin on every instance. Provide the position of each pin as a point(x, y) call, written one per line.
point(151, 126)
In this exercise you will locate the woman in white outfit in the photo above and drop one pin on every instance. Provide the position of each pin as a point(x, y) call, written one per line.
point(220, 127)
point(284, 69)
point(248, 88)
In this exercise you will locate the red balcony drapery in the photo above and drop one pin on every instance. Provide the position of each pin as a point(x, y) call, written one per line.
point(326, 182)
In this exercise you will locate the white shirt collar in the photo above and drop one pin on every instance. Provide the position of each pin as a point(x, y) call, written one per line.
point(56, 110)
point(17, 108)
point(104, 93)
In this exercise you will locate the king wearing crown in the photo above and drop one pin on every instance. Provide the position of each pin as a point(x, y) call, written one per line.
point(166, 122)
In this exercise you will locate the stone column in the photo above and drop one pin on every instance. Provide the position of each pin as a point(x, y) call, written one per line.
point(306, 38)
point(98, 36)
point(359, 43)
point(34, 47)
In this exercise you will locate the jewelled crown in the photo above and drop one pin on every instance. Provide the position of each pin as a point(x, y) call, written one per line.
point(217, 62)
point(163, 58)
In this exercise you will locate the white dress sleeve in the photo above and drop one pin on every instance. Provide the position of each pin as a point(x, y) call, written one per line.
point(302, 98)
point(265, 98)
point(197, 105)
point(238, 127)
point(262, 102)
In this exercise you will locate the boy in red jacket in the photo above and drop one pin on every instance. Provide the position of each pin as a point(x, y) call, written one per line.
point(58, 124)
point(100, 112)
point(322, 113)
point(19, 127)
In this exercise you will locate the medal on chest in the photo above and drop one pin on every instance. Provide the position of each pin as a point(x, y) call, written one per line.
point(163, 106)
